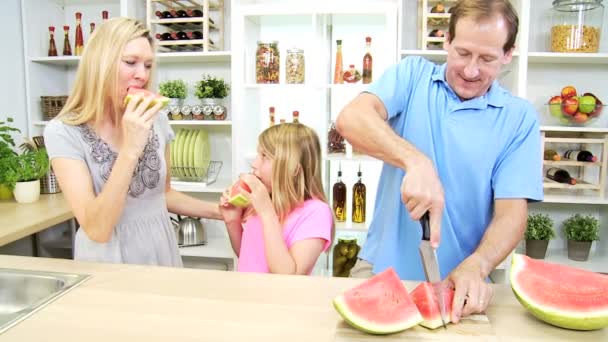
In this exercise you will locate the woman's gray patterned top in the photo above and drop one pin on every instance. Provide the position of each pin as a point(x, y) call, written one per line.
point(144, 234)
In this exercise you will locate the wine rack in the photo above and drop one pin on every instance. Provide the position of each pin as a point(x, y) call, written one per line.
point(430, 23)
point(210, 24)
point(590, 176)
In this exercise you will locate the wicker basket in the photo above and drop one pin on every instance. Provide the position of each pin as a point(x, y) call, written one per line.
point(51, 105)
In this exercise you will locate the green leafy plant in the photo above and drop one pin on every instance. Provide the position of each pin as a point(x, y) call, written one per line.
point(211, 87)
point(175, 89)
point(582, 228)
point(540, 227)
point(8, 156)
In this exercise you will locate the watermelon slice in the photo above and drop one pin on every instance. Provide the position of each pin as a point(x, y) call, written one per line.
point(425, 297)
point(561, 295)
point(132, 91)
point(236, 198)
point(379, 305)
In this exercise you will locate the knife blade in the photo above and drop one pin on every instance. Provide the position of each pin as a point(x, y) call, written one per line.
point(430, 264)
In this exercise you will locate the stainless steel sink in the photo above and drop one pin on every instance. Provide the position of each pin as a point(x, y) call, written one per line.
point(23, 292)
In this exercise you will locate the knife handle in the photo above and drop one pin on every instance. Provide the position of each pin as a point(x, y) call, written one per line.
point(426, 227)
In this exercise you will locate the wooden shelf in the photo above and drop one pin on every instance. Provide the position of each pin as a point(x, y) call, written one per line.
point(193, 57)
point(570, 163)
point(574, 129)
point(569, 198)
point(346, 157)
point(574, 140)
point(200, 122)
point(214, 5)
point(218, 187)
point(350, 226)
point(551, 184)
point(59, 60)
point(567, 58)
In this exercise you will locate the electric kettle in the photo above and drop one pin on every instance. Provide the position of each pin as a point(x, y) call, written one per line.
point(189, 231)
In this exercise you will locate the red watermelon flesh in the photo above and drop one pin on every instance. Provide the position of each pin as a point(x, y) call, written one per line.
point(425, 297)
point(379, 305)
point(561, 295)
point(132, 91)
point(236, 198)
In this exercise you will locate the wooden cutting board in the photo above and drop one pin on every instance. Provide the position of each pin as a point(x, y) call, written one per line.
point(471, 328)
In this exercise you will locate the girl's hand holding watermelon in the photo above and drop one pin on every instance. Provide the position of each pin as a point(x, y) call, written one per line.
point(259, 197)
point(230, 213)
point(137, 122)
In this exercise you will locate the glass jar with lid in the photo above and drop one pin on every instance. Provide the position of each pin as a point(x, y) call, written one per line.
point(267, 62)
point(344, 256)
point(576, 25)
point(294, 66)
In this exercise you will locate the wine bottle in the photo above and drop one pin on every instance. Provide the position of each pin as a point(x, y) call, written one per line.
point(79, 39)
point(104, 16)
point(164, 36)
point(197, 13)
point(339, 198)
point(181, 35)
point(367, 62)
point(560, 176)
point(582, 156)
point(552, 155)
point(67, 48)
point(52, 46)
point(164, 15)
point(92, 27)
point(359, 200)
point(439, 8)
point(338, 69)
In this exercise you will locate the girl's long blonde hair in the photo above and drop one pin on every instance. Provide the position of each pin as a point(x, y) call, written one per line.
point(296, 170)
point(96, 81)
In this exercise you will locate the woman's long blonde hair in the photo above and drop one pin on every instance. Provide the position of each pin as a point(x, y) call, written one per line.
point(296, 170)
point(96, 81)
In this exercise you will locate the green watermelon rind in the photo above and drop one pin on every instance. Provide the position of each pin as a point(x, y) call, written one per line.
point(587, 320)
point(162, 99)
point(371, 327)
point(239, 201)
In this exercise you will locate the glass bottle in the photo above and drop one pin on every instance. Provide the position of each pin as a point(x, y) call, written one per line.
point(267, 65)
point(52, 46)
point(294, 66)
point(339, 198)
point(67, 48)
point(582, 156)
point(92, 27)
point(576, 25)
point(560, 176)
point(104, 16)
point(552, 155)
point(79, 40)
point(359, 200)
point(367, 62)
point(335, 142)
point(271, 114)
point(339, 66)
point(344, 256)
point(295, 116)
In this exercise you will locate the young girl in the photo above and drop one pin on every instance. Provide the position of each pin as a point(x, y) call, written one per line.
point(288, 223)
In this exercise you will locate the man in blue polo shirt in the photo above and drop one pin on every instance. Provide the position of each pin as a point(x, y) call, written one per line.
point(455, 144)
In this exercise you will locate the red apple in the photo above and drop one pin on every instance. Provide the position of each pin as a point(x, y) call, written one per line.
point(568, 91)
point(570, 105)
point(580, 117)
point(555, 106)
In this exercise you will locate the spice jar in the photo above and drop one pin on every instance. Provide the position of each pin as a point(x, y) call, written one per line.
point(335, 142)
point(344, 256)
point(294, 66)
point(267, 62)
point(576, 25)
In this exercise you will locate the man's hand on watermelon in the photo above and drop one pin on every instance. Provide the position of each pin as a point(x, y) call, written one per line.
point(472, 293)
point(136, 124)
point(421, 191)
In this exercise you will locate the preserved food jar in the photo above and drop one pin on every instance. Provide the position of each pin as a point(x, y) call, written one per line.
point(267, 62)
point(576, 25)
point(344, 256)
point(294, 66)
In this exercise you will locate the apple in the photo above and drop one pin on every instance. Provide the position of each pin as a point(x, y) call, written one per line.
point(555, 106)
point(570, 105)
point(598, 106)
point(586, 104)
point(580, 117)
point(568, 91)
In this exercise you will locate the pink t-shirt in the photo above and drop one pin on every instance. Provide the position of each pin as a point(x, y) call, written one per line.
point(313, 219)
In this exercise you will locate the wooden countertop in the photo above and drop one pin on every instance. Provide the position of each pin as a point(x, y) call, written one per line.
point(19, 220)
point(143, 303)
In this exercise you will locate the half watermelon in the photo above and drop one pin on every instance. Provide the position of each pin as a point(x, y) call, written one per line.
point(132, 91)
point(379, 305)
point(561, 295)
point(425, 297)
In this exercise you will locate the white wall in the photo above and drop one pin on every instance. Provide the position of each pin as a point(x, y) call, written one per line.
point(12, 81)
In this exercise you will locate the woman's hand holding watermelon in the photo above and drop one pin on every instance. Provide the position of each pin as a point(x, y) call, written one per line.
point(137, 121)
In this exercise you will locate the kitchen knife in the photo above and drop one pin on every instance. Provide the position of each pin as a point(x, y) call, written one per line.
point(431, 266)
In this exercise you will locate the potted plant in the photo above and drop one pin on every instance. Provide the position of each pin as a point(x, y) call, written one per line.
point(539, 231)
point(176, 91)
point(211, 90)
point(8, 158)
point(580, 231)
point(28, 168)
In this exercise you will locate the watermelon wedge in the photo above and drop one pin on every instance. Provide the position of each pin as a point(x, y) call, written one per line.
point(132, 91)
point(379, 305)
point(561, 295)
point(425, 297)
point(236, 198)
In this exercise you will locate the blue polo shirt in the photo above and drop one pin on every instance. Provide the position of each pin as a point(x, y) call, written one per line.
point(483, 149)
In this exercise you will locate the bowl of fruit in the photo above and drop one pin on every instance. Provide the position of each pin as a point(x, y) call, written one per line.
point(573, 109)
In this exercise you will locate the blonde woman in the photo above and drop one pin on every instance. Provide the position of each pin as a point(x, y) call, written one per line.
point(112, 160)
point(291, 223)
